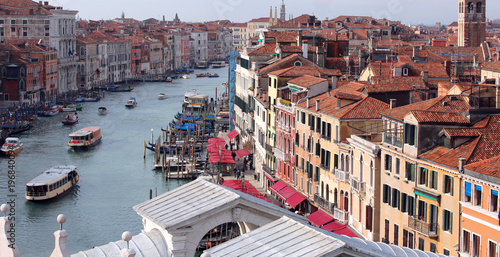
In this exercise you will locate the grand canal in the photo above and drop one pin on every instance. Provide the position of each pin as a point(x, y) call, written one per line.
point(114, 176)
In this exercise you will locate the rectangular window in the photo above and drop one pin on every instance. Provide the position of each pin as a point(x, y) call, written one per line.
point(422, 176)
point(434, 180)
point(396, 234)
point(410, 171)
point(476, 245)
point(411, 205)
point(25, 32)
point(492, 249)
point(466, 242)
point(395, 198)
point(302, 163)
point(422, 210)
point(12, 22)
point(388, 163)
point(478, 195)
point(446, 252)
point(25, 21)
point(398, 164)
point(369, 217)
point(447, 221)
point(448, 185)
point(403, 202)
point(468, 192)
point(303, 117)
point(386, 194)
point(410, 134)
point(421, 244)
point(387, 230)
point(432, 248)
point(405, 238)
point(494, 201)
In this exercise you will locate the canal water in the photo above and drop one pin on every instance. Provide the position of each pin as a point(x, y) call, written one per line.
point(114, 176)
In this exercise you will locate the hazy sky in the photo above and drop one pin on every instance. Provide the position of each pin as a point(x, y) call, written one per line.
point(407, 11)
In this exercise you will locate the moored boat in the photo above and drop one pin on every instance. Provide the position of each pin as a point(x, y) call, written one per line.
point(189, 94)
point(70, 119)
point(12, 145)
point(79, 107)
point(185, 76)
point(202, 75)
point(84, 138)
point(51, 112)
point(51, 183)
point(215, 75)
point(69, 108)
point(218, 64)
point(169, 79)
point(131, 103)
point(162, 96)
point(102, 110)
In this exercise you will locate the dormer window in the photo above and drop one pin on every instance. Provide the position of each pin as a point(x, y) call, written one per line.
point(406, 71)
point(297, 63)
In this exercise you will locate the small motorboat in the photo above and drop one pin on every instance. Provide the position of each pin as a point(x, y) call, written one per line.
point(162, 96)
point(185, 76)
point(131, 103)
point(102, 110)
point(202, 75)
point(70, 119)
point(69, 108)
point(51, 112)
point(215, 75)
point(12, 145)
point(78, 107)
point(91, 99)
point(169, 79)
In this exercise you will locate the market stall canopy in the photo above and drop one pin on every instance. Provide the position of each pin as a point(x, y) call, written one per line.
point(232, 134)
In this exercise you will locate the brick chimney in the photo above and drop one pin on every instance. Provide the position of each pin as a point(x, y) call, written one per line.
point(317, 104)
point(425, 76)
point(308, 102)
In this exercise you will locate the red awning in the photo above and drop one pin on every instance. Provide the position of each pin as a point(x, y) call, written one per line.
point(242, 153)
point(232, 134)
point(269, 177)
point(319, 218)
point(286, 193)
point(247, 187)
point(295, 199)
point(339, 228)
point(277, 186)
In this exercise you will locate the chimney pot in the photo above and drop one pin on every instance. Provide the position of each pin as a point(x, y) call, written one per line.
point(308, 102)
point(392, 103)
point(46, 3)
point(317, 104)
point(461, 164)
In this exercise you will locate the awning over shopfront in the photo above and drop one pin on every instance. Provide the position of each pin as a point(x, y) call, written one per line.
point(339, 228)
point(319, 218)
point(295, 200)
point(287, 194)
point(232, 134)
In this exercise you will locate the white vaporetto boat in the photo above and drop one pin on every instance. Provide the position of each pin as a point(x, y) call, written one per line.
point(85, 138)
point(52, 183)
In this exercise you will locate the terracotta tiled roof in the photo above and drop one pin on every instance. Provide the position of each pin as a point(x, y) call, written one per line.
point(296, 71)
point(368, 108)
point(450, 157)
point(23, 7)
point(268, 48)
point(283, 36)
point(483, 145)
point(439, 104)
point(439, 117)
point(397, 84)
point(489, 167)
point(307, 81)
point(286, 63)
point(336, 63)
point(291, 49)
point(263, 19)
point(494, 66)
point(347, 96)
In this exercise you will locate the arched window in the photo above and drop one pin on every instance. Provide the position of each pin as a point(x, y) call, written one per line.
point(346, 202)
point(322, 189)
point(470, 7)
point(297, 63)
point(327, 192)
point(347, 163)
point(361, 168)
point(303, 140)
point(479, 8)
point(22, 85)
point(342, 162)
point(371, 173)
point(335, 192)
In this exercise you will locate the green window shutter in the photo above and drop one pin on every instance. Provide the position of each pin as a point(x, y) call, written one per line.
point(451, 222)
point(451, 185)
point(336, 161)
point(415, 140)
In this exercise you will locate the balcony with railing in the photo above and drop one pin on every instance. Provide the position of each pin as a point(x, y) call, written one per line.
point(281, 155)
point(358, 186)
point(340, 215)
point(341, 176)
point(393, 140)
point(327, 205)
point(428, 229)
point(284, 127)
point(269, 148)
point(267, 169)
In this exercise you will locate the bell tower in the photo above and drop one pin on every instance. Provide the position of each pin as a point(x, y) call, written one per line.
point(471, 22)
